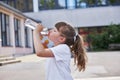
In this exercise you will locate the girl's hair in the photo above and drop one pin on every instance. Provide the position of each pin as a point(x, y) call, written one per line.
point(75, 42)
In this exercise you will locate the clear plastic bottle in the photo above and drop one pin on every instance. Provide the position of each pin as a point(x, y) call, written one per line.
point(32, 24)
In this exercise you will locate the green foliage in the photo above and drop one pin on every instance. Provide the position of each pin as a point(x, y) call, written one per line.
point(99, 41)
point(42, 2)
point(114, 33)
point(50, 3)
point(110, 34)
point(112, 1)
point(91, 1)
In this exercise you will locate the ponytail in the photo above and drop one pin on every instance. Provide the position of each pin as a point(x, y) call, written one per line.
point(79, 53)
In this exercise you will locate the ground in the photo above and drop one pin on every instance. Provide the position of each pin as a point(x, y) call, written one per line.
point(100, 66)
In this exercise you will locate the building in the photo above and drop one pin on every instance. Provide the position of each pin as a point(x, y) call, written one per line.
point(85, 15)
point(15, 38)
point(80, 13)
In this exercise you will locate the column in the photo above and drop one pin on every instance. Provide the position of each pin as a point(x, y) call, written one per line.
point(22, 32)
point(66, 4)
point(0, 29)
point(12, 30)
point(35, 6)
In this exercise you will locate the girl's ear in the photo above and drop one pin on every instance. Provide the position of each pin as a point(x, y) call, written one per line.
point(62, 39)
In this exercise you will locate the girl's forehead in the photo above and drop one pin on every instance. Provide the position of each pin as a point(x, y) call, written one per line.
point(55, 28)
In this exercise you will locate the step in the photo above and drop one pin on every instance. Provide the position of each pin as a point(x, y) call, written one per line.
point(6, 58)
point(5, 54)
point(9, 62)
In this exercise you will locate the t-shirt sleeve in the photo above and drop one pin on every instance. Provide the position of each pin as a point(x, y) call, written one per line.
point(61, 52)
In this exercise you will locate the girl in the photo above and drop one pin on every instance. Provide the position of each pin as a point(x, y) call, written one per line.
point(66, 42)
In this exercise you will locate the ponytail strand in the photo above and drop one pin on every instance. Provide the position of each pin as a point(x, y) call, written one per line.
point(79, 53)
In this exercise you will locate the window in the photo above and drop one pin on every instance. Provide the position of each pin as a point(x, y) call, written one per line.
point(5, 29)
point(67, 4)
point(71, 4)
point(17, 32)
point(11, 3)
point(27, 37)
point(22, 5)
point(102, 2)
point(81, 3)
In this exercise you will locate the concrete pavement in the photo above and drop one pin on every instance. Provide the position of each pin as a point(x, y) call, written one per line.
point(101, 66)
point(102, 78)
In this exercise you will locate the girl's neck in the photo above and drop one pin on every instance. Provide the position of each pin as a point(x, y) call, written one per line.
point(55, 44)
point(58, 43)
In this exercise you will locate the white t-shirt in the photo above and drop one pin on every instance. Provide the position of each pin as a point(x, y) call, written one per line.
point(58, 67)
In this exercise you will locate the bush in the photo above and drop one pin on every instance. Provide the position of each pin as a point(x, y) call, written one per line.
point(101, 41)
point(114, 33)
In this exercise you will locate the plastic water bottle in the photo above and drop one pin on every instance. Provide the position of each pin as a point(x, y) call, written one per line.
point(32, 24)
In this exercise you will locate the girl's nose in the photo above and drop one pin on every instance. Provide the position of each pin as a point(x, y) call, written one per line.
point(50, 30)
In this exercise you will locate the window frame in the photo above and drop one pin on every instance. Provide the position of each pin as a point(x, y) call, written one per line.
point(5, 29)
point(17, 31)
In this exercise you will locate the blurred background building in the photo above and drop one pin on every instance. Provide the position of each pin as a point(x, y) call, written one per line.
point(86, 16)
point(15, 38)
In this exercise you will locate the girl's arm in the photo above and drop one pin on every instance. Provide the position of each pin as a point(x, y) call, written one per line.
point(39, 48)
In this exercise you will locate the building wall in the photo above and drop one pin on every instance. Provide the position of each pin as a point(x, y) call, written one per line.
point(87, 17)
point(13, 49)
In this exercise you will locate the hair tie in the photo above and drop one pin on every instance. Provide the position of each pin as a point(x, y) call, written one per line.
point(75, 37)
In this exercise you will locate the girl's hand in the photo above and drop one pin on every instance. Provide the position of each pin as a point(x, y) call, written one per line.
point(39, 28)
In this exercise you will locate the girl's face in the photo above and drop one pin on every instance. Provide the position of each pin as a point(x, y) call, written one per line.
point(54, 35)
